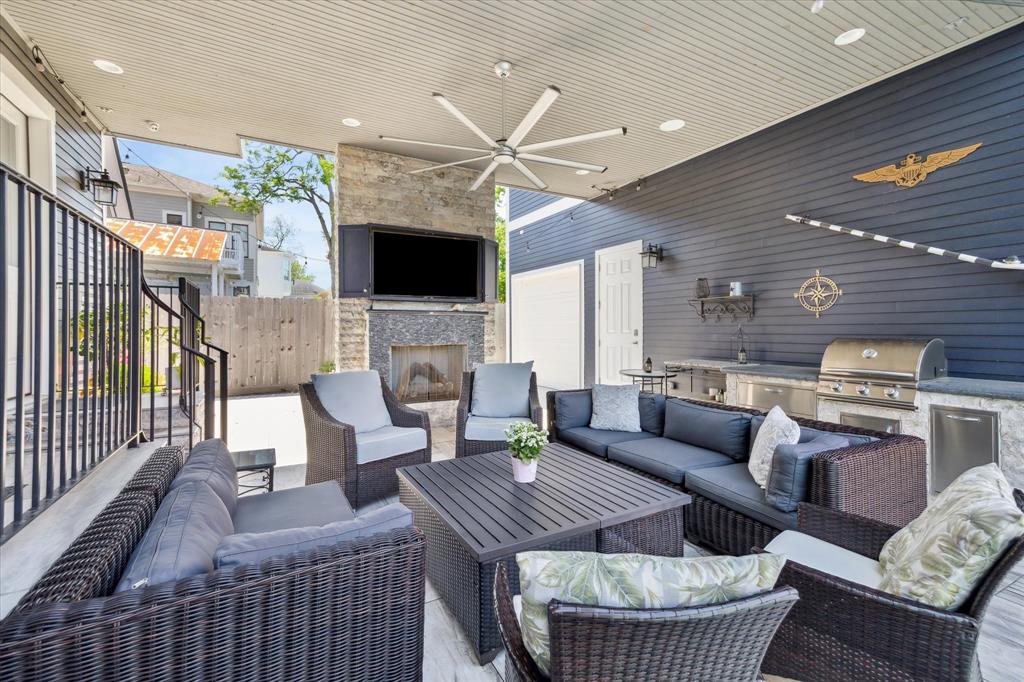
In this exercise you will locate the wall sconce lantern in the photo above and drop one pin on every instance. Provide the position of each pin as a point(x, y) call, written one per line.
point(650, 256)
point(104, 190)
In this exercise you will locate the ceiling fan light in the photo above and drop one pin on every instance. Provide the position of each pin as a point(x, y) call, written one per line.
point(108, 66)
point(671, 125)
point(849, 37)
point(351, 122)
point(582, 171)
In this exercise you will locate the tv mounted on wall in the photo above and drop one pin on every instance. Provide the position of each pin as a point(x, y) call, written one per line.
point(409, 264)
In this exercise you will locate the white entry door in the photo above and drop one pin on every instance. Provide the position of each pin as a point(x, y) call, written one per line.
point(547, 323)
point(620, 314)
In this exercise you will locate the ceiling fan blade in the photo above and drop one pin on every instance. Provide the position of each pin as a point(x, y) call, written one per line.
point(547, 98)
point(483, 176)
point(443, 101)
point(445, 165)
point(575, 139)
point(432, 144)
point(562, 162)
point(530, 175)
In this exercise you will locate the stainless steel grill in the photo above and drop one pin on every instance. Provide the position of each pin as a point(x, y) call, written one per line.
point(879, 371)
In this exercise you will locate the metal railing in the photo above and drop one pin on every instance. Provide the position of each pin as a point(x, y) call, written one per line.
point(80, 339)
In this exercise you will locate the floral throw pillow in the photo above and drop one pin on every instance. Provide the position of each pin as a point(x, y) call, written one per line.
point(939, 557)
point(636, 581)
point(777, 429)
point(616, 408)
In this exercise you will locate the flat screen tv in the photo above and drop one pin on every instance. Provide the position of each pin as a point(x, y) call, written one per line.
point(424, 265)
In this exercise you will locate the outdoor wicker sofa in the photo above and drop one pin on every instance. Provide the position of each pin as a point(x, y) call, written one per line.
point(465, 447)
point(721, 642)
point(332, 451)
point(841, 630)
point(348, 611)
point(882, 480)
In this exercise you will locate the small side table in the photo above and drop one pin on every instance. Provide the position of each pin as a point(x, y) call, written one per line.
point(255, 470)
point(649, 380)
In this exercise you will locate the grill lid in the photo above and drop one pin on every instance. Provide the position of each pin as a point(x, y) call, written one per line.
point(909, 360)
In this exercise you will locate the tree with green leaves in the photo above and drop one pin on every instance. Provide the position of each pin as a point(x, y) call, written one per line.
point(272, 173)
point(299, 273)
point(501, 236)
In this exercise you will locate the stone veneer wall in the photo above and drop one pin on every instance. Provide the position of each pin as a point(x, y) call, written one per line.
point(375, 187)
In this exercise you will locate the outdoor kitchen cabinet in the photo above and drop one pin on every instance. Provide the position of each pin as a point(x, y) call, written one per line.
point(763, 395)
point(961, 439)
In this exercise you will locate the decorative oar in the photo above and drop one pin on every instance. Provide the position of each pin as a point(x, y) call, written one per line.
point(1008, 263)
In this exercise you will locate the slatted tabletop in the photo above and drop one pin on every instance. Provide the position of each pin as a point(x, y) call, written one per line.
point(493, 516)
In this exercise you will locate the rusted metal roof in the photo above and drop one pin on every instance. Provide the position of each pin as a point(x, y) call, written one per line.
point(174, 241)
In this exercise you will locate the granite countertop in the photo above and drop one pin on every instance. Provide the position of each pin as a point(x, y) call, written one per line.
point(702, 363)
point(982, 388)
point(802, 372)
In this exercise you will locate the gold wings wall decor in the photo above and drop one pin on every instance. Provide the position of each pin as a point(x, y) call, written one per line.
point(913, 170)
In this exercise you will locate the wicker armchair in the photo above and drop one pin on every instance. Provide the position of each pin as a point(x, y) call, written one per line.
point(841, 630)
point(331, 449)
point(710, 643)
point(463, 447)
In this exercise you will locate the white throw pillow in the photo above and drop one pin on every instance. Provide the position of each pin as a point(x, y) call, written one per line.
point(777, 429)
point(636, 581)
point(939, 557)
point(616, 408)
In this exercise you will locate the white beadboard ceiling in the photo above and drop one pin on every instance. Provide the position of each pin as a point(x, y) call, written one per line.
point(212, 72)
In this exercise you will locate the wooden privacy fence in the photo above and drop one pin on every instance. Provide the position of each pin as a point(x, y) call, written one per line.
point(273, 343)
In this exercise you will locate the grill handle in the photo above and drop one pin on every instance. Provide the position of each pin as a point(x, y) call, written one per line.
point(846, 371)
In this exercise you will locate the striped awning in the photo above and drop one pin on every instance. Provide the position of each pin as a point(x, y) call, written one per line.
point(174, 241)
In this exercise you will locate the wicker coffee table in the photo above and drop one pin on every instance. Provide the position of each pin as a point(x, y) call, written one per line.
point(474, 515)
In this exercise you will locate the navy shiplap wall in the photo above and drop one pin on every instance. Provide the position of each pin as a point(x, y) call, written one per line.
point(521, 202)
point(720, 216)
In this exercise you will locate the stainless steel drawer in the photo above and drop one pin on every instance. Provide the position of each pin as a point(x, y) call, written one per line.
point(799, 402)
point(961, 439)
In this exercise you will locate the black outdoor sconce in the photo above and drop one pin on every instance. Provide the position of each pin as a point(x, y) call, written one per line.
point(650, 256)
point(104, 190)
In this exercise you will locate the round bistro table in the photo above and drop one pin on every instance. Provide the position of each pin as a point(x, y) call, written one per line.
point(648, 380)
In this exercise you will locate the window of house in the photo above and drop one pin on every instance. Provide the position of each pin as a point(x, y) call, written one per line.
point(174, 218)
point(242, 231)
point(217, 225)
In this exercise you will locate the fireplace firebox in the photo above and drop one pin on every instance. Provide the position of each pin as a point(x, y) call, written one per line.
point(426, 373)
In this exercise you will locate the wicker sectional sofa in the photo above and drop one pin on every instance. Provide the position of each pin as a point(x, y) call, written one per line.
point(349, 610)
point(881, 479)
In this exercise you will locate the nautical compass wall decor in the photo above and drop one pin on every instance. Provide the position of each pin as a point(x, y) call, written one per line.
point(818, 294)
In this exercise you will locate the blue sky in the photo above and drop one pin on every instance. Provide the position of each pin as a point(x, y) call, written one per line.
point(308, 241)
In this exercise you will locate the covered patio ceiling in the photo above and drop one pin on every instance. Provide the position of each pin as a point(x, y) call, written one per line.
point(211, 73)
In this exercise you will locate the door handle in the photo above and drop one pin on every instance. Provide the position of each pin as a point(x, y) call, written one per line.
point(963, 419)
point(773, 390)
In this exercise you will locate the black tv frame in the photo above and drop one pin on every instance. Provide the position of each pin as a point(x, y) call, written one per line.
point(394, 229)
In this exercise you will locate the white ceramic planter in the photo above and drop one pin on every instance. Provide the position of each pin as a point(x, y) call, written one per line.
point(523, 472)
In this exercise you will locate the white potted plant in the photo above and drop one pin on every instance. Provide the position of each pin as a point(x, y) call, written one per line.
point(525, 441)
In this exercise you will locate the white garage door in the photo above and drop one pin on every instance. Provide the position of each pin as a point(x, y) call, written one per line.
point(547, 323)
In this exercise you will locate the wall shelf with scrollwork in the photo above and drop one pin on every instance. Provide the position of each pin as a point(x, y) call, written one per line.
point(723, 306)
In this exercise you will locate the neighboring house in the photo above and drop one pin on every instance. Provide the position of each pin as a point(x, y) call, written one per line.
point(273, 272)
point(159, 196)
point(173, 251)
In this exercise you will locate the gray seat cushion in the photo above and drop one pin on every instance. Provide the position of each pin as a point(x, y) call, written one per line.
point(790, 473)
point(388, 441)
point(353, 398)
point(808, 434)
point(489, 428)
point(311, 505)
point(501, 389)
point(211, 463)
point(666, 458)
point(726, 431)
point(596, 441)
point(180, 542)
point(572, 409)
point(734, 487)
point(247, 548)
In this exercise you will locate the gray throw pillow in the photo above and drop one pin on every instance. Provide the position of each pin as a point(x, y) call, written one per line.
point(707, 427)
point(616, 408)
point(502, 389)
point(247, 548)
point(652, 413)
point(808, 434)
point(353, 398)
point(791, 470)
point(180, 542)
point(572, 409)
point(211, 463)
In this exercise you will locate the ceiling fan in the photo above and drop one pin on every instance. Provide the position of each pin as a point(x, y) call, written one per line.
point(506, 151)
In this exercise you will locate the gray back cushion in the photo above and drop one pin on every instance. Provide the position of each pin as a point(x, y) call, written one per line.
point(353, 398)
point(211, 463)
point(808, 434)
point(790, 474)
point(247, 548)
point(502, 389)
point(652, 413)
point(181, 540)
point(616, 408)
point(572, 409)
point(724, 431)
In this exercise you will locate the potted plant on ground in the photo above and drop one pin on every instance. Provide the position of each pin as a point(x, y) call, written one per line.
point(525, 441)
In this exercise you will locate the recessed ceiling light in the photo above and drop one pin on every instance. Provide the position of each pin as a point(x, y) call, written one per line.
point(108, 66)
point(817, 6)
point(671, 124)
point(582, 171)
point(351, 122)
point(105, 110)
point(153, 126)
point(851, 36)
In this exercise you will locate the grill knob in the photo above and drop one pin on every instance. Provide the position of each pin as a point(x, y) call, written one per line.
point(863, 390)
point(837, 387)
point(892, 392)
